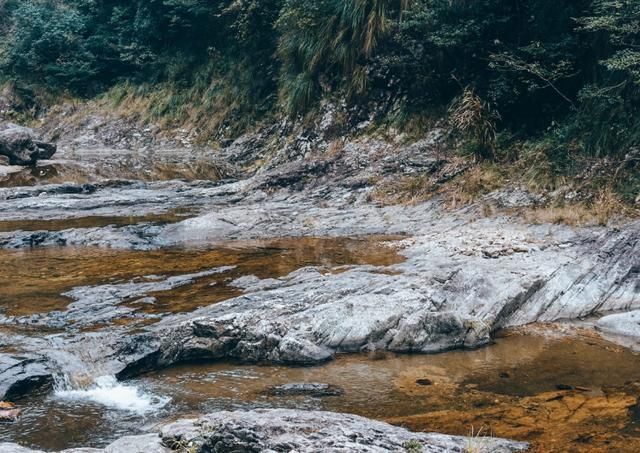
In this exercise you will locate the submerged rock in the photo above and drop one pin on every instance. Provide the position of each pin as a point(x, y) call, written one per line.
point(305, 389)
point(22, 147)
point(93, 305)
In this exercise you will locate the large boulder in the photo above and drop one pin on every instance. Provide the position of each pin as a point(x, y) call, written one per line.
point(22, 147)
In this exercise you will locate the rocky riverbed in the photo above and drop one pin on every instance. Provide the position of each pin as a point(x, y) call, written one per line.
point(128, 262)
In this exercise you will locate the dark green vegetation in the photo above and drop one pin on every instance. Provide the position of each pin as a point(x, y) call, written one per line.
point(551, 84)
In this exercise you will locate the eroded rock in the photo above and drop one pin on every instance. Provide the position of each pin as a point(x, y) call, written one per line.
point(22, 147)
point(292, 430)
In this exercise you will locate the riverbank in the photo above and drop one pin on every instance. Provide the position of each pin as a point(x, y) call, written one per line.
point(140, 269)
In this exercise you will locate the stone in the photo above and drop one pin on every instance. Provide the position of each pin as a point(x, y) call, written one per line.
point(92, 305)
point(307, 431)
point(627, 324)
point(23, 374)
point(22, 147)
point(305, 389)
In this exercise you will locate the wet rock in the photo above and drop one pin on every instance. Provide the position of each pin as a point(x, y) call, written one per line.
point(150, 443)
point(622, 324)
point(302, 321)
point(14, 448)
point(21, 375)
point(22, 147)
point(308, 316)
point(305, 389)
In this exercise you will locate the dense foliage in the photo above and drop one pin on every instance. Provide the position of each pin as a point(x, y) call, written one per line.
point(564, 71)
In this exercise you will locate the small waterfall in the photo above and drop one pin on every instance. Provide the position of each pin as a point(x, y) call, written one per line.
point(109, 392)
point(83, 378)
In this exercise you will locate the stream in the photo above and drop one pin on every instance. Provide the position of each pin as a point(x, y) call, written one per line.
point(550, 385)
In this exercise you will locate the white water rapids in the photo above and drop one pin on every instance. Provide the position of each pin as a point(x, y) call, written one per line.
point(109, 392)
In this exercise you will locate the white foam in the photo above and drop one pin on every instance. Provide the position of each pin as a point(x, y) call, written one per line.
point(116, 395)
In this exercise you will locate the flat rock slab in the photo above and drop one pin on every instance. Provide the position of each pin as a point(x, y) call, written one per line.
point(313, 431)
point(460, 282)
point(150, 443)
point(622, 324)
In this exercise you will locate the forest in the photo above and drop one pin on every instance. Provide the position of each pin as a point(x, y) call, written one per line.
point(553, 82)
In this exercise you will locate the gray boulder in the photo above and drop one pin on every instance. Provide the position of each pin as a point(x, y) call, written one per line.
point(271, 430)
point(21, 146)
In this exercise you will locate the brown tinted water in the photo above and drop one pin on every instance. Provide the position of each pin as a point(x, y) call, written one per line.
point(39, 277)
point(507, 389)
point(173, 216)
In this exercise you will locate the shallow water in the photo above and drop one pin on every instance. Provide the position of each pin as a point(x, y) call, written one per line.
point(83, 166)
point(172, 216)
point(39, 277)
point(515, 373)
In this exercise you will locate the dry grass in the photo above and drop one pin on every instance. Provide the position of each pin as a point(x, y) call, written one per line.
point(473, 184)
point(605, 208)
point(335, 149)
point(476, 120)
point(405, 190)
